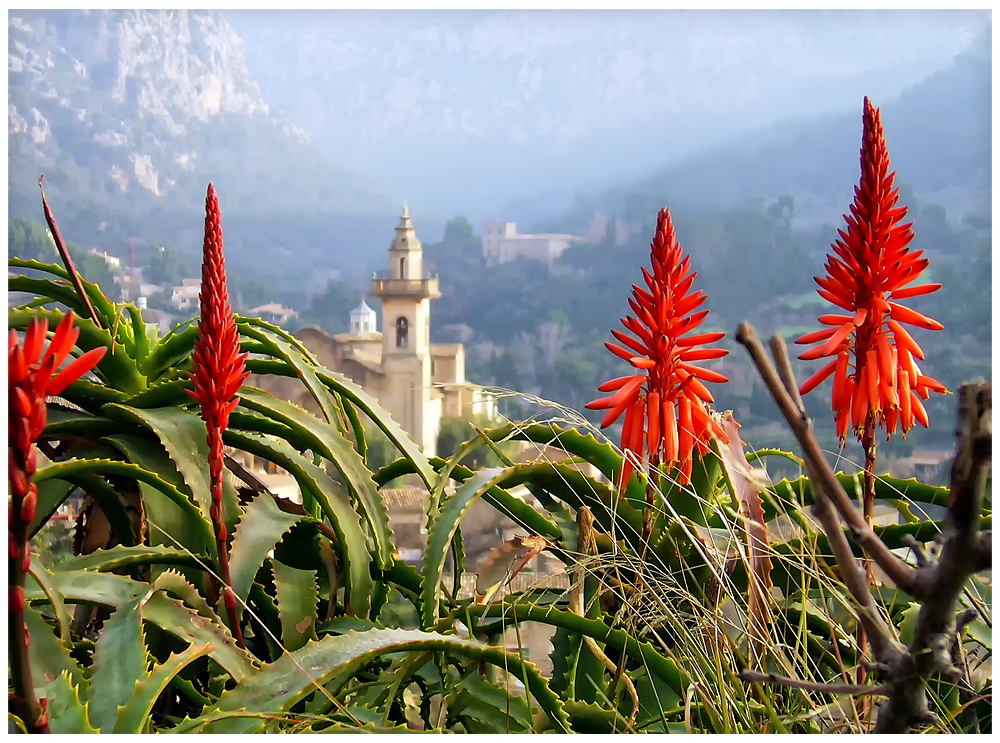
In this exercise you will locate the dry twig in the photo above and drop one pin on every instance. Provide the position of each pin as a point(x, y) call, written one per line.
point(938, 585)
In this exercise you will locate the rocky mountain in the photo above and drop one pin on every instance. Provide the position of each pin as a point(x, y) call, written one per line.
point(129, 114)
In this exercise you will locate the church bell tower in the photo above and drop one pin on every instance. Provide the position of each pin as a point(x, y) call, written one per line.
point(406, 295)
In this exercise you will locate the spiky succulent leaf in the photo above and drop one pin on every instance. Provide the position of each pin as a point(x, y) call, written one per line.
point(68, 714)
point(184, 436)
point(118, 557)
point(134, 716)
point(46, 581)
point(353, 543)
point(172, 516)
point(120, 662)
point(296, 596)
point(280, 685)
point(366, 404)
point(325, 440)
point(260, 528)
point(48, 656)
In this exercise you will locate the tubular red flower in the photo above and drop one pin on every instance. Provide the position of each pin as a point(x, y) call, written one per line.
point(219, 369)
point(665, 405)
point(866, 273)
point(32, 373)
point(218, 372)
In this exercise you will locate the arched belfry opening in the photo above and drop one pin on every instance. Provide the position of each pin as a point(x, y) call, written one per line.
point(402, 267)
point(402, 332)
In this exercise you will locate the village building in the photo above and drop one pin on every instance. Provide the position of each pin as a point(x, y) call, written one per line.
point(418, 382)
point(114, 263)
point(503, 244)
point(185, 296)
point(273, 312)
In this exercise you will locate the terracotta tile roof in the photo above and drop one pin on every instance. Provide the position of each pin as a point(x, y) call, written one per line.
point(523, 581)
point(405, 500)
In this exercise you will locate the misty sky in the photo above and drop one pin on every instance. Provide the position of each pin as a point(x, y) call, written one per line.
point(465, 110)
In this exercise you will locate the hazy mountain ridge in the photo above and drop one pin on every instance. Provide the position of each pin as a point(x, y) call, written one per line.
point(509, 104)
point(937, 131)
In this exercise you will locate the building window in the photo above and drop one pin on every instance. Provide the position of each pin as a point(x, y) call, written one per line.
point(402, 268)
point(402, 329)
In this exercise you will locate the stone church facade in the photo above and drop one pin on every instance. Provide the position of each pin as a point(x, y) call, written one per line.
point(420, 383)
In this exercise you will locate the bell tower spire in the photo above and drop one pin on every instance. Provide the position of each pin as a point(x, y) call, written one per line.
point(406, 294)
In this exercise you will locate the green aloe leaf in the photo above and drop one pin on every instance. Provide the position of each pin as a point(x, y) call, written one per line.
point(353, 543)
point(619, 517)
point(184, 436)
point(261, 528)
point(328, 442)
point(497, 709)
point(62, 421)
point(51, 495)
point(113, 591)
point(303, 365)
point(602, 455)
point(67, 712)
point(90, 587)
point(118, 557)
point(509, 612)
point(46, 581)
point(174, 347)
point(162, 394)
point(440, 534)
point(296, 594)
point(134, 717)
point(366, 404)
point(279, 686)
point(562, 480)
point(48, 656)
point(143, 336)
point(595, 719)
point(188, 625)
point(92, 396)
point(120, 662)
point(103, 306)
point(171, 515)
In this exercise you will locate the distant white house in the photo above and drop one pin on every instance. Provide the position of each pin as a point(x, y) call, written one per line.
point(273, 312)
point(115, 264)
point(185, 295)
point(502, 244)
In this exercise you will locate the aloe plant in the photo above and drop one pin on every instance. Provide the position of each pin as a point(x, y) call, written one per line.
point(678, 583)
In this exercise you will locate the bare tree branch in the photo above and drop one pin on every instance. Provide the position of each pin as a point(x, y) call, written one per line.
point(965, 551)
point(936, 585)
point(852, 689)
point(901, 574)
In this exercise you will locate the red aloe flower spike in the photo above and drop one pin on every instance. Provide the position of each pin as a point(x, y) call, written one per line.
point(866, 275)
point(31, 376)
point(218, 372)
point(665, 404)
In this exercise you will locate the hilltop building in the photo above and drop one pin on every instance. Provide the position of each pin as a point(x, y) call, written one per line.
point(417, 381)
point(502, 244)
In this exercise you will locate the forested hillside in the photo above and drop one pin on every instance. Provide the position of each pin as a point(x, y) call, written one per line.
point(541, 329)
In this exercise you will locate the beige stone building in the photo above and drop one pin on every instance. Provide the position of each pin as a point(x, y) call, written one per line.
point(417, 381)
point(502, 244)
